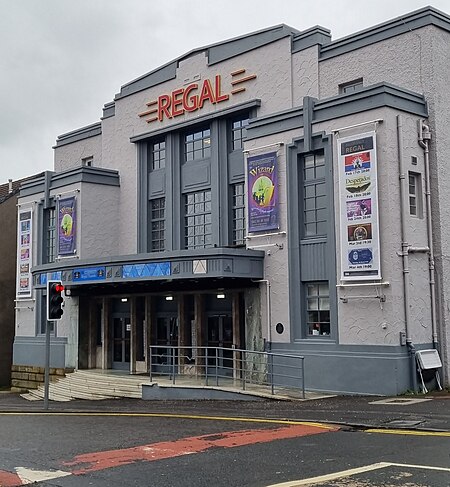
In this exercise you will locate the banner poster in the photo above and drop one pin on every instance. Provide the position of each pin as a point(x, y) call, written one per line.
point(262, 192)
point(24, 253)
point(67, 234)
point(358, 195)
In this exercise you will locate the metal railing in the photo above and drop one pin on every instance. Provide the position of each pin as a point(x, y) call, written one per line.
point(228, 367)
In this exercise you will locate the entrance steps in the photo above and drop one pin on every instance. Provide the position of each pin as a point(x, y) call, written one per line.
point(91, 385)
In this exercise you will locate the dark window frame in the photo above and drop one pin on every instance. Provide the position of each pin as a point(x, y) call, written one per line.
point(198, 232)
point(238, 216)
point(351, 86)
point(415, 199)
point(317, 309)
point(157, 212)
point(197, 144)
point(238, 132)
point(157, 155)
point(50, 235)
point(314, 197)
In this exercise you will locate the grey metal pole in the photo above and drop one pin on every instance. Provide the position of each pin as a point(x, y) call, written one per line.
point(47, 364)
point(173, 365)
point(303, 377)
point(217, 365)
point(150, 359)
point(271, 374)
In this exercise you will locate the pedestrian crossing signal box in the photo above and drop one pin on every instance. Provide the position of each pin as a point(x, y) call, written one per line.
point(55, 300)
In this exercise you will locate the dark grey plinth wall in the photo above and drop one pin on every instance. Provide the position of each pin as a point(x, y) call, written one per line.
point(31, 351)
point(352, 369)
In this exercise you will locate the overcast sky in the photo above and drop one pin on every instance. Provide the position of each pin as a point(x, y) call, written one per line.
point(62, 60)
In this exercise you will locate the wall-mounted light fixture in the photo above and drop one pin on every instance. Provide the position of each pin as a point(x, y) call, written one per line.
point(220, 295)
point(124, 300)
point(169, 298)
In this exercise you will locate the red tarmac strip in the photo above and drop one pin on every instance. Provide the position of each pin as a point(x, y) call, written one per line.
point(91, 462)
point(8, 479)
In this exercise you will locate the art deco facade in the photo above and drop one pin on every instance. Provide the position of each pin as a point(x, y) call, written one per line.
point(303, 179)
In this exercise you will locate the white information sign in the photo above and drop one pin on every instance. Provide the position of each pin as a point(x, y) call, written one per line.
point(24, 253)
point(358, 196)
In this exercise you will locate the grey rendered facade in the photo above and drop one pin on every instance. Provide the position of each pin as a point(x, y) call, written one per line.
point(160, 190)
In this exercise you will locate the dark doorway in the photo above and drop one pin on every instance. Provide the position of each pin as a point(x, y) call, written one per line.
point(121, 329)
point(220, 335)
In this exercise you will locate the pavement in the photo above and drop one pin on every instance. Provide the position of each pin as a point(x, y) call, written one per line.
point(429, 412)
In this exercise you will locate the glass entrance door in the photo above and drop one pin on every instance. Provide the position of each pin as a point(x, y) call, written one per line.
point(166, 337)
point(220, 334)
point(121, 342)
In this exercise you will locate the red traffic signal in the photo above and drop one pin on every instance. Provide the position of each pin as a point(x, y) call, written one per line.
point(55, 300)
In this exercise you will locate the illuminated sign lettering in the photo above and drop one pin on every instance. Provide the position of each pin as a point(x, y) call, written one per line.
point(193, 97)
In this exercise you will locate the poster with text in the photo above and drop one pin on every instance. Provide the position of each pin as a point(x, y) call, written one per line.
point(24, 253)
point(358, 196)
point(67, 235)
point(262, 193)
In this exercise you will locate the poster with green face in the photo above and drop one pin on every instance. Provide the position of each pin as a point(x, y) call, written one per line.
point(262, 192)
point(66, 226)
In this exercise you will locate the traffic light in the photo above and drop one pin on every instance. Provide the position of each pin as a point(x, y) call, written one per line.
point(54, 300)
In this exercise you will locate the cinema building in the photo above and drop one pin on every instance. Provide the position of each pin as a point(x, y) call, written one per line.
point(277, 191)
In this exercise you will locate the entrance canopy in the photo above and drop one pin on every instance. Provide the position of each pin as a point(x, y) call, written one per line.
point(166, 268)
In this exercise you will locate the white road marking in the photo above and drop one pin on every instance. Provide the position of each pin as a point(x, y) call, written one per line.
point(355, 471)
point(29, 476)
point(400, 401)
point(333, 476)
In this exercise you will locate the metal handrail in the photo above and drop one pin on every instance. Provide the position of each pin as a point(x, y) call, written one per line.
point(275, 371)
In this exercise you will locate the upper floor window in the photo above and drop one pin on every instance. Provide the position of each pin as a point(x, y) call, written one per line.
point(351, 86)
point(238, 208)
point(158, 225)
point(87, 161)
point(314, 195)
point(415, 194)
point(198, 221)
point(50, 235)
point(158, 155)
point(197, 145)
point(239, 131)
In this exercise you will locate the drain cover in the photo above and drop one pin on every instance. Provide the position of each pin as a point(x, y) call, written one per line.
point(404, 424)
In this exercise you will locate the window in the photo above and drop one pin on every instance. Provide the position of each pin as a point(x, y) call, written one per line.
point(50, 236)
point(158, 155)
point(87, 161)
point(198, 228)
point(318, 309)
point(197, 145)
point(314, 195)
point(239, 131)
point(415, 194)
point(351, 86)
point(238, 208)
point(158, 224)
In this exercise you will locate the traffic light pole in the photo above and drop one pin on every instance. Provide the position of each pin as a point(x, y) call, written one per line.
point(47, 364)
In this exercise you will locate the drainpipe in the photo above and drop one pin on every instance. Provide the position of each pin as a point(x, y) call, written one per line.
point(424, 142)
point(404, 254)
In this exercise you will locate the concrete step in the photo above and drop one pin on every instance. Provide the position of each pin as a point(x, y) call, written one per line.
point(91, 386)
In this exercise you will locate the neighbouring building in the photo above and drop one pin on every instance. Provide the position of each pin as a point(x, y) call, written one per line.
point(9, 193)
point(276, 191)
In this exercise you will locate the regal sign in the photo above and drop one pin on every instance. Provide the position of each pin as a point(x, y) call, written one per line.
point(193, 97)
